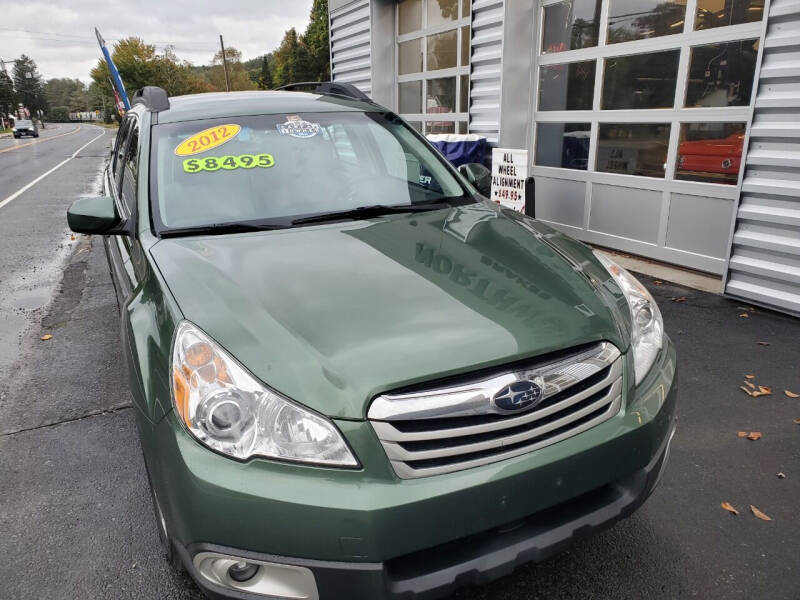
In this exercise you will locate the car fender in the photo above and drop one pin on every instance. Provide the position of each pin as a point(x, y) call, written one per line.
point(148, 322)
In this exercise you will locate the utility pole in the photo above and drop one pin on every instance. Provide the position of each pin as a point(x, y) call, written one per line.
point(225, 64)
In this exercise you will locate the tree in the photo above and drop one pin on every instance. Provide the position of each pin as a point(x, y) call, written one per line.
point(265, 77)
point(237, 74)
point(292, 61)
point(175, 76)
point(28, 84)
point(139, 65)
point(8, 97)
point(78, 101)
point(64, 92)
point(316, 39)
point(58, 114)
point(306, 57)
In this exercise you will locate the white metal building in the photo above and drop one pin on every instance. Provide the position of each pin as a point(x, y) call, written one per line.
point(665, 128)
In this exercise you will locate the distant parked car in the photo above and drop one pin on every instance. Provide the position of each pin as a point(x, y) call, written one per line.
point(23, 127)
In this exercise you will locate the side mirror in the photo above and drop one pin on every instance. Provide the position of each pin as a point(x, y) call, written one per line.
point(479, 176)
point(94, 215)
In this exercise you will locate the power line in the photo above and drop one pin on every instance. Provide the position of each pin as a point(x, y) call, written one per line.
point(53, 35)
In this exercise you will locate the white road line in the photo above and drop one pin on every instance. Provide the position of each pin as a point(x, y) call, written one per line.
point(38, 179)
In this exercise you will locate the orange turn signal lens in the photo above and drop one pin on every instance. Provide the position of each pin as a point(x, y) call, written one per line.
point(180, 388)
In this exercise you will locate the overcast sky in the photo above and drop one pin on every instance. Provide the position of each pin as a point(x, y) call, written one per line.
point(59, 35)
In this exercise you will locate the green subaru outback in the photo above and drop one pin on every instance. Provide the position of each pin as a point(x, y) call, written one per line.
point(354, 376)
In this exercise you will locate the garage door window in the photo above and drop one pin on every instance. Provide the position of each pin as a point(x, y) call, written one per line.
point(564, 145)
point(721, 13)
point(571, 25)
point(633, 148)
point(433, 56)
point(641, 80)
point(642, 19)
point(567, 86)
point(660, 90)
point(722, 74)
point(710, 152)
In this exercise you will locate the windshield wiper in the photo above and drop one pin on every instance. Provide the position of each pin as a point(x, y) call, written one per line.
point(220, 229)
point(367, 212)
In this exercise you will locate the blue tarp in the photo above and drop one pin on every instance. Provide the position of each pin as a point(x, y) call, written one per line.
point(462, 149)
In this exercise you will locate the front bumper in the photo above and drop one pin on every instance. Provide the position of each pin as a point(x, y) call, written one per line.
point(365, 533)
point(437, 572)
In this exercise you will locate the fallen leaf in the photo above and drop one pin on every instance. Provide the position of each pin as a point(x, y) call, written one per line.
point(750, 385)
point(658, 282)
point(765, 389)
point(729, 508)
point(742, 434)
point(744, 316)
point(781, 475)
point(72, 237)
point(791, 394)
point(759, 514)
point(754, 435)
point(797, 421)
point(46, 337)
point(763, 343)
point(749, 376)
point(745, 390)
point(681, 299)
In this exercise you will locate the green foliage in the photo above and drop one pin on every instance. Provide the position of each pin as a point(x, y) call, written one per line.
point(28, 84)
point(237, 74)
point(58, 114)
point(8, 97)
point(265, 75)
point(306, 57)
point(139, 65)
point(316, 39)
point(60, 93)
point(292, 60)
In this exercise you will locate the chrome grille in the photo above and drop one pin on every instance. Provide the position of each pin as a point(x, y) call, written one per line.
point(457, 427)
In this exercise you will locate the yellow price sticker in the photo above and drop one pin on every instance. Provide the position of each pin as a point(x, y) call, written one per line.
point(228, 163)
point(207, 139)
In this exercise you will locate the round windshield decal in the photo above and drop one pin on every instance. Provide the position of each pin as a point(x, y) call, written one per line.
point(297, 127)
point(207, 139)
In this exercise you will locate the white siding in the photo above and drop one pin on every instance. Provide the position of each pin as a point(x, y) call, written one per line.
point(350, 45)
point(486, 74)
point(764, 266)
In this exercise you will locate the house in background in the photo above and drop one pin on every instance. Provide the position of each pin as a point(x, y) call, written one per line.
point(669, 129)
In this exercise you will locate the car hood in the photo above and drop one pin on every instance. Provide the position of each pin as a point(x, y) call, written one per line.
point(333, 315)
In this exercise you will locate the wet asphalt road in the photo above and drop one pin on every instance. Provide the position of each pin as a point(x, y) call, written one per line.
point(75, 515)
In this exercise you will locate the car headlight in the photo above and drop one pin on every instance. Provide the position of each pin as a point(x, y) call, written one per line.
point(647, 327)
point(228, 410)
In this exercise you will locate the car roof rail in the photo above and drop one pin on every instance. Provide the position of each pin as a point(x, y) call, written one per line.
point(332, 88)
point(153, 97)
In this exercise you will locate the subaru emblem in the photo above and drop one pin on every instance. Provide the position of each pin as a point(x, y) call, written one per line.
point(518, 396)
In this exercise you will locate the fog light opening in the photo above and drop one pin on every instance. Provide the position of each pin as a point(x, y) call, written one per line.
point(256, 577)
point(242, 571)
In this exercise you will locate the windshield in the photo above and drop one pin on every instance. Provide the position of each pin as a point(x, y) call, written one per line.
point(278, 168)
point(23, 124)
